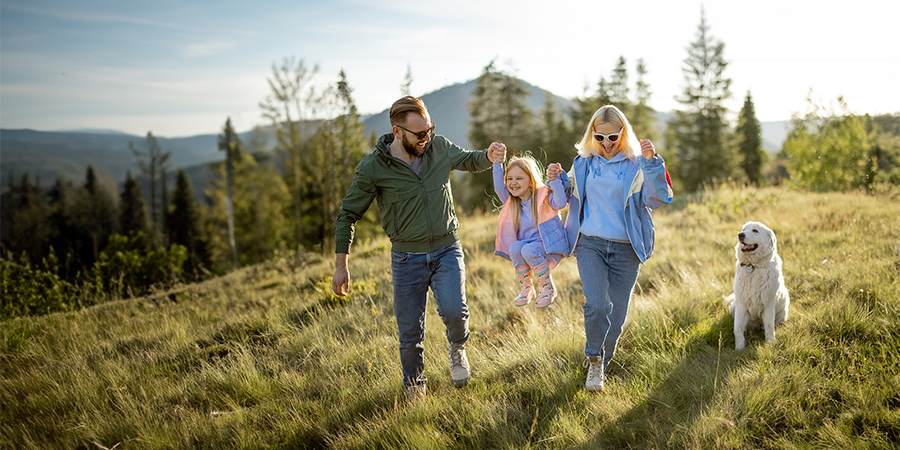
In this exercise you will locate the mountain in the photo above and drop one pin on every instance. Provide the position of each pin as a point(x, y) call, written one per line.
point(44, 155)
point(449, 110)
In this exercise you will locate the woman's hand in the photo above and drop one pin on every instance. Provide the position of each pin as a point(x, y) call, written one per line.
point(553, 171)
point(648, 151)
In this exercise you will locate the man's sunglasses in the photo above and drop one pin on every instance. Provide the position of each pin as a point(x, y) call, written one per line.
point(421, 134)
point(613, 137)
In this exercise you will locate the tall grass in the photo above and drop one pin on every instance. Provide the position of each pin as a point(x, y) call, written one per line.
point(266, 357)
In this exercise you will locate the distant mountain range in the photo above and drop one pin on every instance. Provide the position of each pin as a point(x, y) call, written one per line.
point(45, 155)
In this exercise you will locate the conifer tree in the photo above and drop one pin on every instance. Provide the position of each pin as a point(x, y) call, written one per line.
point(698, 132)
point(750, 148)
point(95, 216)
point(185, 228)
point(618, 87)
point(405, 88)
point(133, 210)
point(642, 116)
point(152, 168)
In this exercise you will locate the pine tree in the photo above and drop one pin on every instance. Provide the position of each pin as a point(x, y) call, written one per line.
point(185, 228)
point(405, 88)
point(698, 133)
point(618, 87)
point(498, 111)
point(753, 156)
point(133, 210)
point(642, 116)
point(95, 216)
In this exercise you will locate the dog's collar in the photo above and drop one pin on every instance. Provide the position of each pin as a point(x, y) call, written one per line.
point(748, 266)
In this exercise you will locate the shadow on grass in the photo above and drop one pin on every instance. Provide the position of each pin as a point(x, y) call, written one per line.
point(667, 414)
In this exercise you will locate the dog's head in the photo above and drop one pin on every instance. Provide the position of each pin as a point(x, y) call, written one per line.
point(756, 242)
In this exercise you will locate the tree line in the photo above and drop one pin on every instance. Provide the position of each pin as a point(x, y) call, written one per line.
point(75, 244)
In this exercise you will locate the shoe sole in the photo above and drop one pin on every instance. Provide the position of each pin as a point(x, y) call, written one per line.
point(460, 383)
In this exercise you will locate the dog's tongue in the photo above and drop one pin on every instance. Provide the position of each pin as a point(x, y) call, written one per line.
point(747, 247)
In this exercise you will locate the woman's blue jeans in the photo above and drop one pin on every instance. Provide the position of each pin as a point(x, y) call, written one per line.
point(608, 271)
point(444, 271)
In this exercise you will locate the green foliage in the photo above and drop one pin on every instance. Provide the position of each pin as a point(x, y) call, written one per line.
point(753, 156)
point(829, 149)
point(127, 268)
point(184, 224)
point(698, 133)
point(27, 289)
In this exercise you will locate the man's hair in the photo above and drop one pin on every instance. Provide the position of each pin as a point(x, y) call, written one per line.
point(404, 106)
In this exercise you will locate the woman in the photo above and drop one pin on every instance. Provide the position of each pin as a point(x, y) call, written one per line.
point(615, 181)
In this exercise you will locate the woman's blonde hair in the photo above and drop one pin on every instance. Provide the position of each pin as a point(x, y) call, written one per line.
point(628, 142)
point(532, 170)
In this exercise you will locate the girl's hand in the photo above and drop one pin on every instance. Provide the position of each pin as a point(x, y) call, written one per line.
point(497, 152)
point(553, 171)
point(648, 151)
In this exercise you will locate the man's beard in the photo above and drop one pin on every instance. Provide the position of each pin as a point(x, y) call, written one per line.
point(411, 148)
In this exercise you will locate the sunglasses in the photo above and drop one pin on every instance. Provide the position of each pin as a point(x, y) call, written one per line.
point(421, 134)
point(613, 137)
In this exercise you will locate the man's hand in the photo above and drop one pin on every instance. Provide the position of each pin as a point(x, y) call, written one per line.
point(553, 171)
point(497, 152)
point(648, 151)
point(340, 283)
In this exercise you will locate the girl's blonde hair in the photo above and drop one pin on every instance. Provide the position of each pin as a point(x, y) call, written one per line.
point(533, 171)
point(628, 142)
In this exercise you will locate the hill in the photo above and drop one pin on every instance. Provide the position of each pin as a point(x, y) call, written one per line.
point(265, 357)
point(45, 155)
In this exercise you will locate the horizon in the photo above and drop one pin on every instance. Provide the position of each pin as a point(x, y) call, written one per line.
point(181, 70)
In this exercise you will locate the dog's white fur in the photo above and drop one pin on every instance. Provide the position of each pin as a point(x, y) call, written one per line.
point(760, 297)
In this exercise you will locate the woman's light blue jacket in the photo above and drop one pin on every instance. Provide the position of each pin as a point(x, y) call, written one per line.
point(646, 185)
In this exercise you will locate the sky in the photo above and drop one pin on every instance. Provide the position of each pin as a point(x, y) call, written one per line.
point(182, 67)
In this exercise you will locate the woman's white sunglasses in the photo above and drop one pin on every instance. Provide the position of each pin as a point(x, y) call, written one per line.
point(613, 137)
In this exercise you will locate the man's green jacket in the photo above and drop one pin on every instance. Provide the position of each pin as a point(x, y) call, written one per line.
point(416, 213)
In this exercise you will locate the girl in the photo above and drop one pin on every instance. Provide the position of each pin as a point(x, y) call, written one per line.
point(530, 232)
point(615, 182)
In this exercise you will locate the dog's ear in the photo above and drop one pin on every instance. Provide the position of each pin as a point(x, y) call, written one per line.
point(773, 238)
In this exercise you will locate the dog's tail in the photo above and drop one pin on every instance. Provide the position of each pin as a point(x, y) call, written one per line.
point(729, 302)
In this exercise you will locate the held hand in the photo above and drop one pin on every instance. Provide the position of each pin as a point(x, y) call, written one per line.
point(648, 151)
point(553, 171)
point(497, 152)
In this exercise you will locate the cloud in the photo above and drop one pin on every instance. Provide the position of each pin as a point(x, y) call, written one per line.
point(209, 48)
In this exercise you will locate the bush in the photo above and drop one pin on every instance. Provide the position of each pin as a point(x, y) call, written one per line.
point(127, 268)
point(28, 290)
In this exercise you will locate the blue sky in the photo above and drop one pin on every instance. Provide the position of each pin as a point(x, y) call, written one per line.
point(180, 68)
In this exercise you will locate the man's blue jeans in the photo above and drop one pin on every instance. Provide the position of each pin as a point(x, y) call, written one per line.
point(608, 271)
point(445, 272)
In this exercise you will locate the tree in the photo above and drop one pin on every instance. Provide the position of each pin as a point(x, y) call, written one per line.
point(642, 116)
point(618, 87)
point(185, 230)
point(230, 143)
point(95, 216)
point(291, 101)
point(498, 111)
point(133, 211)
point(698, 132)
point(552, 140)
point(407, 82)
point(153, 168)
point(31, 230)
point(829, 149)
point(753, 156)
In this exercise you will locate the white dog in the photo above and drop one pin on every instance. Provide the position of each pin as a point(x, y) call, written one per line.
point(760, 297)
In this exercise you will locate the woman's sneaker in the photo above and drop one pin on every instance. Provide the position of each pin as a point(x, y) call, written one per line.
point(459, 364)
point(595, 375)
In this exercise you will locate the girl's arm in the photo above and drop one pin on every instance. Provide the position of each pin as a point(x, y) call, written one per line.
point(657, 189)
point(499, 186)
point(557, 197)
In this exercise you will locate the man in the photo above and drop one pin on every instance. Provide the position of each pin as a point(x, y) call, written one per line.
point(409, 175)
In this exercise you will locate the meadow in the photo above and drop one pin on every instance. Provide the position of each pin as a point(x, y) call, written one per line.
point(266, 357)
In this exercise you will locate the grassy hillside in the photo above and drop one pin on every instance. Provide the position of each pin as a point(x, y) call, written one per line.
point(267, 358)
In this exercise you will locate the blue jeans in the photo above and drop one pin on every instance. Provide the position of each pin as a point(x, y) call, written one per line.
point(445, 272)
point(608, 271)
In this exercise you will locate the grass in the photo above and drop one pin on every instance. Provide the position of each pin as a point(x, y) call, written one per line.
point(266, 357)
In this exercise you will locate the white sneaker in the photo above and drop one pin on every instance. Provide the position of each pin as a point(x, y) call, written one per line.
point(459, 364)
point(595, 375)
point(415, 392)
